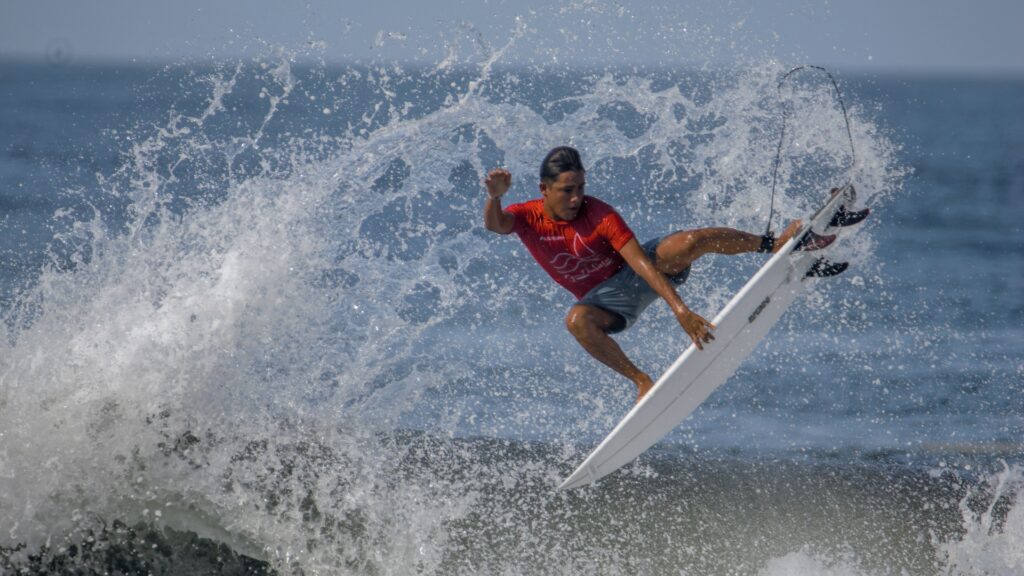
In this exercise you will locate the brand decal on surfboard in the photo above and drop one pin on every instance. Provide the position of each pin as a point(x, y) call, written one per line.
point(757, 311)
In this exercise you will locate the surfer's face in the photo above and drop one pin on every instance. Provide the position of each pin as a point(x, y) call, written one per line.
point(563, 197)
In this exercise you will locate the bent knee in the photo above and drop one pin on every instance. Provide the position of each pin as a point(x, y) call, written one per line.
point(577, 321)
point(584, 320)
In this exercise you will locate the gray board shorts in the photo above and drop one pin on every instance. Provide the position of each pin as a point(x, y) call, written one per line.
point(626, 294)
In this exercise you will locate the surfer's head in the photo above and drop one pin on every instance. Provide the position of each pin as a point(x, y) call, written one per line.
point(562, 179)
point(559, 160)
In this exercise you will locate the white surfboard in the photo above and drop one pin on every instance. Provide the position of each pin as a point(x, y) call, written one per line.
point(743, 322)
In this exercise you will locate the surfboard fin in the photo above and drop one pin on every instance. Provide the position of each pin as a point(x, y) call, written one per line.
point(843, 217)
point(822, 268)
point(812, 241)
point(853, 192)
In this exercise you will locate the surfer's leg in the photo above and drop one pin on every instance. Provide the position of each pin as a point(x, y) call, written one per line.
point(590, 325)
point(680, 249)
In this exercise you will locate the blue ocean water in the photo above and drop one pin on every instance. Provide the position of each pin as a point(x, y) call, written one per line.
point(252, 322)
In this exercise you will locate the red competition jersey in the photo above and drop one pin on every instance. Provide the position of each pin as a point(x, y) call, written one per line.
point(578, 254)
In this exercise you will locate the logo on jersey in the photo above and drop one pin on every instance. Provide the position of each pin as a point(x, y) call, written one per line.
point(581, 262)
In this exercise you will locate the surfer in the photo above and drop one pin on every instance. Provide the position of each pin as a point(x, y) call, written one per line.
point(586, 246)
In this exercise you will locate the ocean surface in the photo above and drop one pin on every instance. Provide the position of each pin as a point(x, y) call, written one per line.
point(252, 323)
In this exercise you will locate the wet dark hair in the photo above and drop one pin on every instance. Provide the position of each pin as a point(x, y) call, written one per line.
point(558, 160)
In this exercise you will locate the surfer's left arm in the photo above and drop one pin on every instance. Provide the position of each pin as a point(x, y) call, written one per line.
point(695, 326)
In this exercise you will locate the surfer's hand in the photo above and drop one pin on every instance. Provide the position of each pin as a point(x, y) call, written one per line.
point(697, 327)
point(498, 182)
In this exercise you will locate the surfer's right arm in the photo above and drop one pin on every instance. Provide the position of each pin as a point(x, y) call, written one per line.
point(696, 327)
point(496, 219)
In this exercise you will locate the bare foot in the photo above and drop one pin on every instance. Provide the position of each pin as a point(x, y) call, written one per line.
point(788, 233)
point(643, 386)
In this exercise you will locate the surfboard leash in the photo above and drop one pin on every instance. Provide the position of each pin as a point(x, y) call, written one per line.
point(782, 132)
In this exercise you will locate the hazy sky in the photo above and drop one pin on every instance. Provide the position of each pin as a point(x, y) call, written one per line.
point(882, 35)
